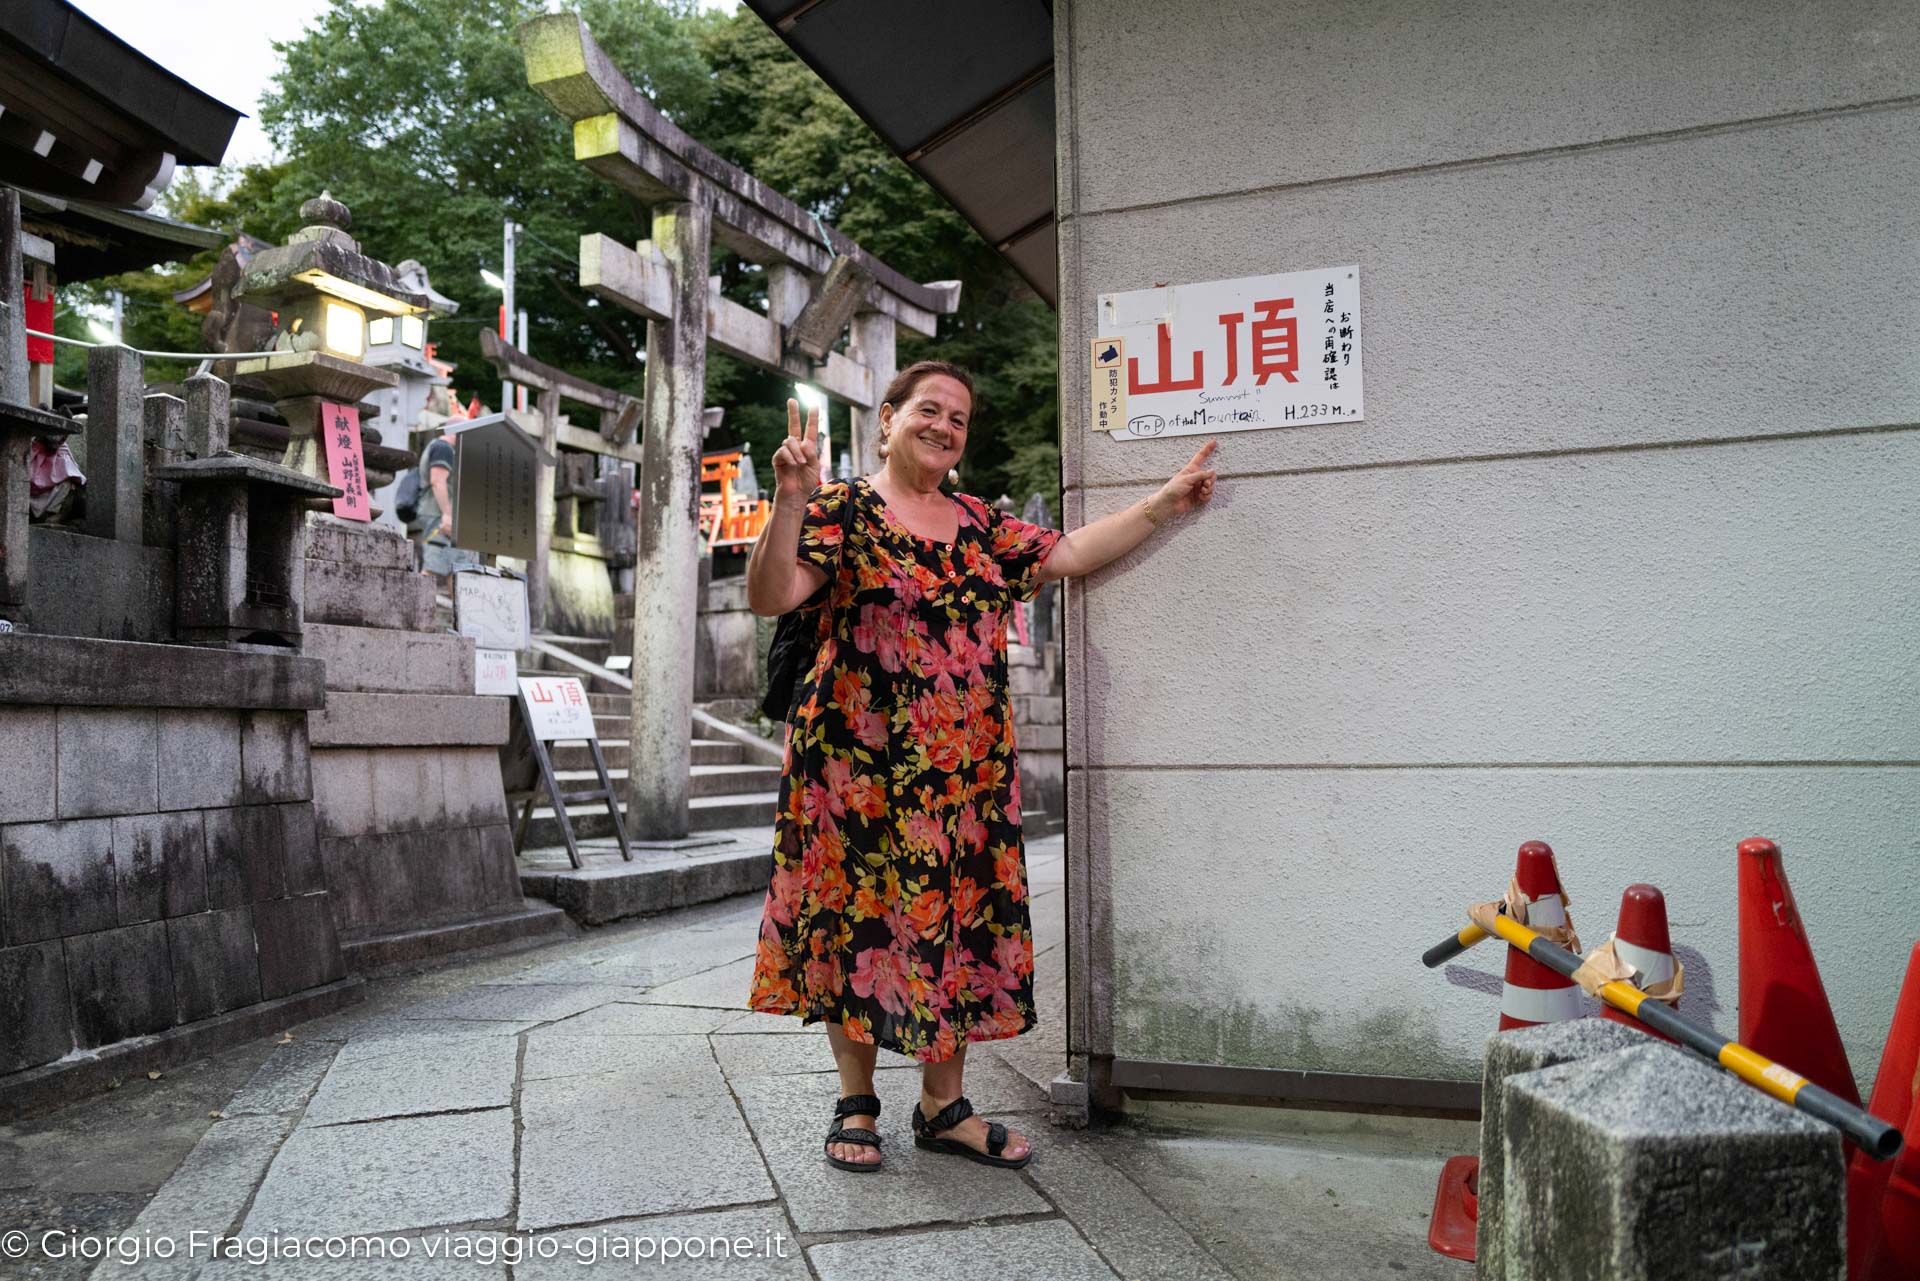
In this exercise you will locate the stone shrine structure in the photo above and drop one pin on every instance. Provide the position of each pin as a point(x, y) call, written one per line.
point(238, 763)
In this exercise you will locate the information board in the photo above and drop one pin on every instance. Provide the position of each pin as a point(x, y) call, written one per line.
point(1228, 355)
point(491, 607)
point(494, 472)
point(557, 708)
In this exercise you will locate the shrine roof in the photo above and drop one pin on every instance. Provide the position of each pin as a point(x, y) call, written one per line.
point(86, 115)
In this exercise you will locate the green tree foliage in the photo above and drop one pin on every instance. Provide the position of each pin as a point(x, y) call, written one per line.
point(770, 114)
point(417, 115)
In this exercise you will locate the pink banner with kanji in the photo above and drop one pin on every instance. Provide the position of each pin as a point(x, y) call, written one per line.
point(346, 464)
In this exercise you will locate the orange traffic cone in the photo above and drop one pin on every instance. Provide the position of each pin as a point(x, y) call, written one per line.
point(1783, 1007)
point(1455, 1221)
point(1535, 994)
point(1895, 1256)
point(1641, 943)
point(1893, 1097)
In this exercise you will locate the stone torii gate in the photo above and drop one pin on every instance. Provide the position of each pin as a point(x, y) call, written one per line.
point(818, 284)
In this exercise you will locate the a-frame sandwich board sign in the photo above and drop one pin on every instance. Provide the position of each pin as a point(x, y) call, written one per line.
point(556, 710)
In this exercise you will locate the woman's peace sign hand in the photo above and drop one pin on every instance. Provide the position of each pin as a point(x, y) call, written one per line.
point(1190, 487)
point(796, 464)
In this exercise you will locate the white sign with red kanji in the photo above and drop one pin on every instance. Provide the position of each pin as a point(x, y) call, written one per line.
point(557, 708)
point(1233, 355)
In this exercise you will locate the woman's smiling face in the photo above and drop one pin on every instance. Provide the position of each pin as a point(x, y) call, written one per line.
point(930, 430)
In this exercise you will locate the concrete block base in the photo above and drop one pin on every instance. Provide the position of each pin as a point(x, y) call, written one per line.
point(42, 1089)
point(1526, 1049)
point(1646, 1164)
point(609, 891)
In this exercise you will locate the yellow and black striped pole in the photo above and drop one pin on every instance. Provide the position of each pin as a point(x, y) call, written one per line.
point(1875, 1137)
point(1440, 953)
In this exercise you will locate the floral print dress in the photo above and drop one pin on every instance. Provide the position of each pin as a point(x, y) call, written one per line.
point(898, 905)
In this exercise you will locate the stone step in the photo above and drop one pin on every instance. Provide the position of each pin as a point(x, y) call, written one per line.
point(707, 813)
point(708, 780)
point(618, 754)
point(669, 875)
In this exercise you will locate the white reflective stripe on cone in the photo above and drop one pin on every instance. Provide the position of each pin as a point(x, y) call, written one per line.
point(1549, 909)
point(1652, 967)
point(1542, 1004)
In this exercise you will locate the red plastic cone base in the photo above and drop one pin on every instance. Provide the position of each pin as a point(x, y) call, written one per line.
point(1866, 1177)
point(1895, 1256)
point(1783, 1006)
point(1456, 1208)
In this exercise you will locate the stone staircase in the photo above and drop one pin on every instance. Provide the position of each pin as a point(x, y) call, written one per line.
point(729, 790)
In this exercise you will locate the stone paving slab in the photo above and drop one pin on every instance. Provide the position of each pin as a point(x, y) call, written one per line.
point(1049, 913)
point(724, 987)
point(624, 1019)
point(650, 959)
point(406, 1077)
point(552, 1057)
point(389, 1176)
point(207, 1193)
point(762, 1260)
point(386, 1022)
point(459, 1256)
point(1311, 1208)
point(1052, 1250)
point(505, 1002)
point(754, 1024)
point(664, 1136)
point(775, 1054)
point(789, 1115)
point(286, 1080)
point(1138, 1238)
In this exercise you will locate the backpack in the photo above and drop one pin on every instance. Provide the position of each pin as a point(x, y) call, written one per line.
point(406, 496)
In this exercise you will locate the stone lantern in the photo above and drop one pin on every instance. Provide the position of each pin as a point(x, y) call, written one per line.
point(324, 290)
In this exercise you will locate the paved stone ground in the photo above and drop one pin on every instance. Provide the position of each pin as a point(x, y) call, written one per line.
point(611, 1089)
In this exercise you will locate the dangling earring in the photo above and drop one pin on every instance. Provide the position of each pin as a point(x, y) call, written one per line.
point(883, 446)
point(953, 476)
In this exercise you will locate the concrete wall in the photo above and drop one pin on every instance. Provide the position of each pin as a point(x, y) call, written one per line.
point(1621, 557)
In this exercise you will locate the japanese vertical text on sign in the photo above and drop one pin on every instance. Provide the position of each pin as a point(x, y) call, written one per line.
point(1235, 355)
point(346, 465)
point(1109, 384)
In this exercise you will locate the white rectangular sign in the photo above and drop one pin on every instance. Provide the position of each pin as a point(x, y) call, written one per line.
point(495, 671)
point(1231, 355)
point(557, 708)
point(491, 608)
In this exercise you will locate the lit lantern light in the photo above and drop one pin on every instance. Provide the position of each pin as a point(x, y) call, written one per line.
point(413, 332)
point(325, 291)
point(346, 330)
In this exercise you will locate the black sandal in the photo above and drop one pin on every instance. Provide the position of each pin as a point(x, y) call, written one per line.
point(953, 1114)
point(854, 1105)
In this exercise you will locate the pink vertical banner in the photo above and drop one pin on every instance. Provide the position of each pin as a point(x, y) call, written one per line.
point(346, 465)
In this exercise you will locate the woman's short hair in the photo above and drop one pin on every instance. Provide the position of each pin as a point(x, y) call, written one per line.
point(908, 380)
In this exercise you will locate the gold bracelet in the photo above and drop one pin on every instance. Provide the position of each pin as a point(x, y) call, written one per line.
point(1146, 507)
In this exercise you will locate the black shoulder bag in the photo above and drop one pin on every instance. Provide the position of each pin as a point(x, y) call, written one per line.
point(796, 640)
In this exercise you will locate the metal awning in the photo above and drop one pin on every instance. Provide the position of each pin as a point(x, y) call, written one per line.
point(962, 90)
point(84, 115)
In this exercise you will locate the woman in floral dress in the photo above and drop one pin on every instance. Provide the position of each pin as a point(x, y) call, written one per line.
point(898, 911)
